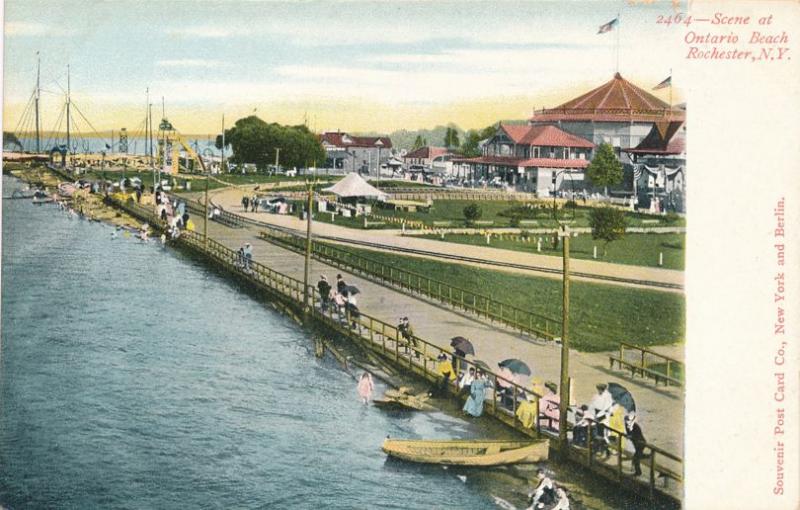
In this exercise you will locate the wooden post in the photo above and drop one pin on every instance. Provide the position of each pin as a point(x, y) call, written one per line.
point(564, 397)
point(309, 207)
point(205, 218)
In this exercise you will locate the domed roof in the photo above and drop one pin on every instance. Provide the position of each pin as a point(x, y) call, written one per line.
point(614, 101)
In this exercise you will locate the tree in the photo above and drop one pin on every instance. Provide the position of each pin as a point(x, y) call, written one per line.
point(451, 138)
point(472, 139)
point(608, 224)
point(472, 213)
point(255, 141)
point(605, 169)
point(419, 143)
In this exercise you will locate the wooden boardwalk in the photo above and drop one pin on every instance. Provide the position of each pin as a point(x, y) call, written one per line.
point(661, 409)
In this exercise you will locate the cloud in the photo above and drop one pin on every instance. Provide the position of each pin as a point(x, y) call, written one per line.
point(192, 62)
point(33, 29)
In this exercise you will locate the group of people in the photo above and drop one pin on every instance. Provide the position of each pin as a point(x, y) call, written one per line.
point(250, 203)
point(547, 494)
point(245, 256)
point(173, 214)
point(608, 420)
point(341, 298)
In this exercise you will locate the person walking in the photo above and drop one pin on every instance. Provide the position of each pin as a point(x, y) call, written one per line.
point(245, 203)
point(352, 308)
point(341, 286)
point(324, 289)
point(248, 255)
point(365, 387)
point(407, 334)
point(639, 442)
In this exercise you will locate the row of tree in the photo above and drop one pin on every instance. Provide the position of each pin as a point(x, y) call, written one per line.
point(468, 148)
point(258, 142)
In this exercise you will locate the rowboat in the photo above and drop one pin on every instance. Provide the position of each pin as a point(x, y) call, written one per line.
point(403, 400)
point(467, 452)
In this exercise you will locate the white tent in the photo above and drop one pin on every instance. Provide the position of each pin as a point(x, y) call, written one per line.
point(353, 185)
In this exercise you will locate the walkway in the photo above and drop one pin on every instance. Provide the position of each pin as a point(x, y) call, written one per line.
point(230, 199)
point(660, 409)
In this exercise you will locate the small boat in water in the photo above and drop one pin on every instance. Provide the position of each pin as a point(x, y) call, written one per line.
point(403, 400)
point(467, 452)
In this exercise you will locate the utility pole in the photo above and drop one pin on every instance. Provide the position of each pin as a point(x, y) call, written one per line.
point(309, 209)
point(564, 396)
point(38, 136)
point(277, 158)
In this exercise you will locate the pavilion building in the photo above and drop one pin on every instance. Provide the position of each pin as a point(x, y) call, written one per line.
point(530, 158)
point(659, 168)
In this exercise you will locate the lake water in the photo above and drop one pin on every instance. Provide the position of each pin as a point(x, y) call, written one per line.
point(132, 376)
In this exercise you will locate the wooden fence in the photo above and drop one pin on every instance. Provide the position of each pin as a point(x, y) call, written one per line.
point(524, 321)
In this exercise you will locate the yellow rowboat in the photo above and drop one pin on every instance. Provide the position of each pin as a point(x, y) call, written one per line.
point(467, 452)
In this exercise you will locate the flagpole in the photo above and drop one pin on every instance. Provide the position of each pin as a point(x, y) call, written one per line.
point(670, 89)
point(619, 27)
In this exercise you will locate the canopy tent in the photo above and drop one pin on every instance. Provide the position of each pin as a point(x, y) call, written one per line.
point(353, 185)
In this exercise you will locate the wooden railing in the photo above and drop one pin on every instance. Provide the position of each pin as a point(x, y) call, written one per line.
point(643, 360)
point(459, 298)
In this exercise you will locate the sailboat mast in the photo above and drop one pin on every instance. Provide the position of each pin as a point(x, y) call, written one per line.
point(146, 122)
point(38, 135)
point(69, 143)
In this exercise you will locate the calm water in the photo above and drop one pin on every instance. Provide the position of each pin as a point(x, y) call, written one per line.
point(133, 377)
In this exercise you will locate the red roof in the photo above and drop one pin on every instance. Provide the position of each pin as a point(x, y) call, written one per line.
point(616, 100)
point(339, 139)
point(664, 138)
point(544, 136)
point(427, 153)
point(526, 162)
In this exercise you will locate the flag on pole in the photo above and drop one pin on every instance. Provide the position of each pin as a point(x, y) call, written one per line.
point(608, 27)
point(664, 84)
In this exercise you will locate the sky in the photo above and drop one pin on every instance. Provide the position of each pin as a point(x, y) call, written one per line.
point(353, 65)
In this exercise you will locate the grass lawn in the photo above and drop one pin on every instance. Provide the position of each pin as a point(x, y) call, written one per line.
point(635, 249)
point(453, 211)
point(601, 315)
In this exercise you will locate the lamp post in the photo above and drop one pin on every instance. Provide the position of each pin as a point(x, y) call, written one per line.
point(378, 144)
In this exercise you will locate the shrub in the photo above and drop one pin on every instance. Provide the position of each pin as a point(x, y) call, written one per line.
point(472, 213)
point(671, 218)
point(608, 224)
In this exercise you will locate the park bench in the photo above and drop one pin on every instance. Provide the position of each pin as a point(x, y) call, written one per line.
point(442, 223)
point(528, 222)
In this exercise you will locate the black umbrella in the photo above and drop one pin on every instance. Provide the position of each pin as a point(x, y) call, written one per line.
point(352, 289)
point(516, 366)
point(462, 344)
point(622, 396)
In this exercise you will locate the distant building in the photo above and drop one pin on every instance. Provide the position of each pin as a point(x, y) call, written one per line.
point(529, 158)
point(659, 168)
point(618, 113)
point(428, 160)
point(356, 153)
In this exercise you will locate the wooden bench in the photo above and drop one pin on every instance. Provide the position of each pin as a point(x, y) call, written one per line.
point(645, 372)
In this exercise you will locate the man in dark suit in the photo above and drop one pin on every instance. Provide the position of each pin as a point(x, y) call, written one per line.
point(637, 438)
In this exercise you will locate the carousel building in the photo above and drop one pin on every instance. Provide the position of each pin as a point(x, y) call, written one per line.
point(617, 112)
